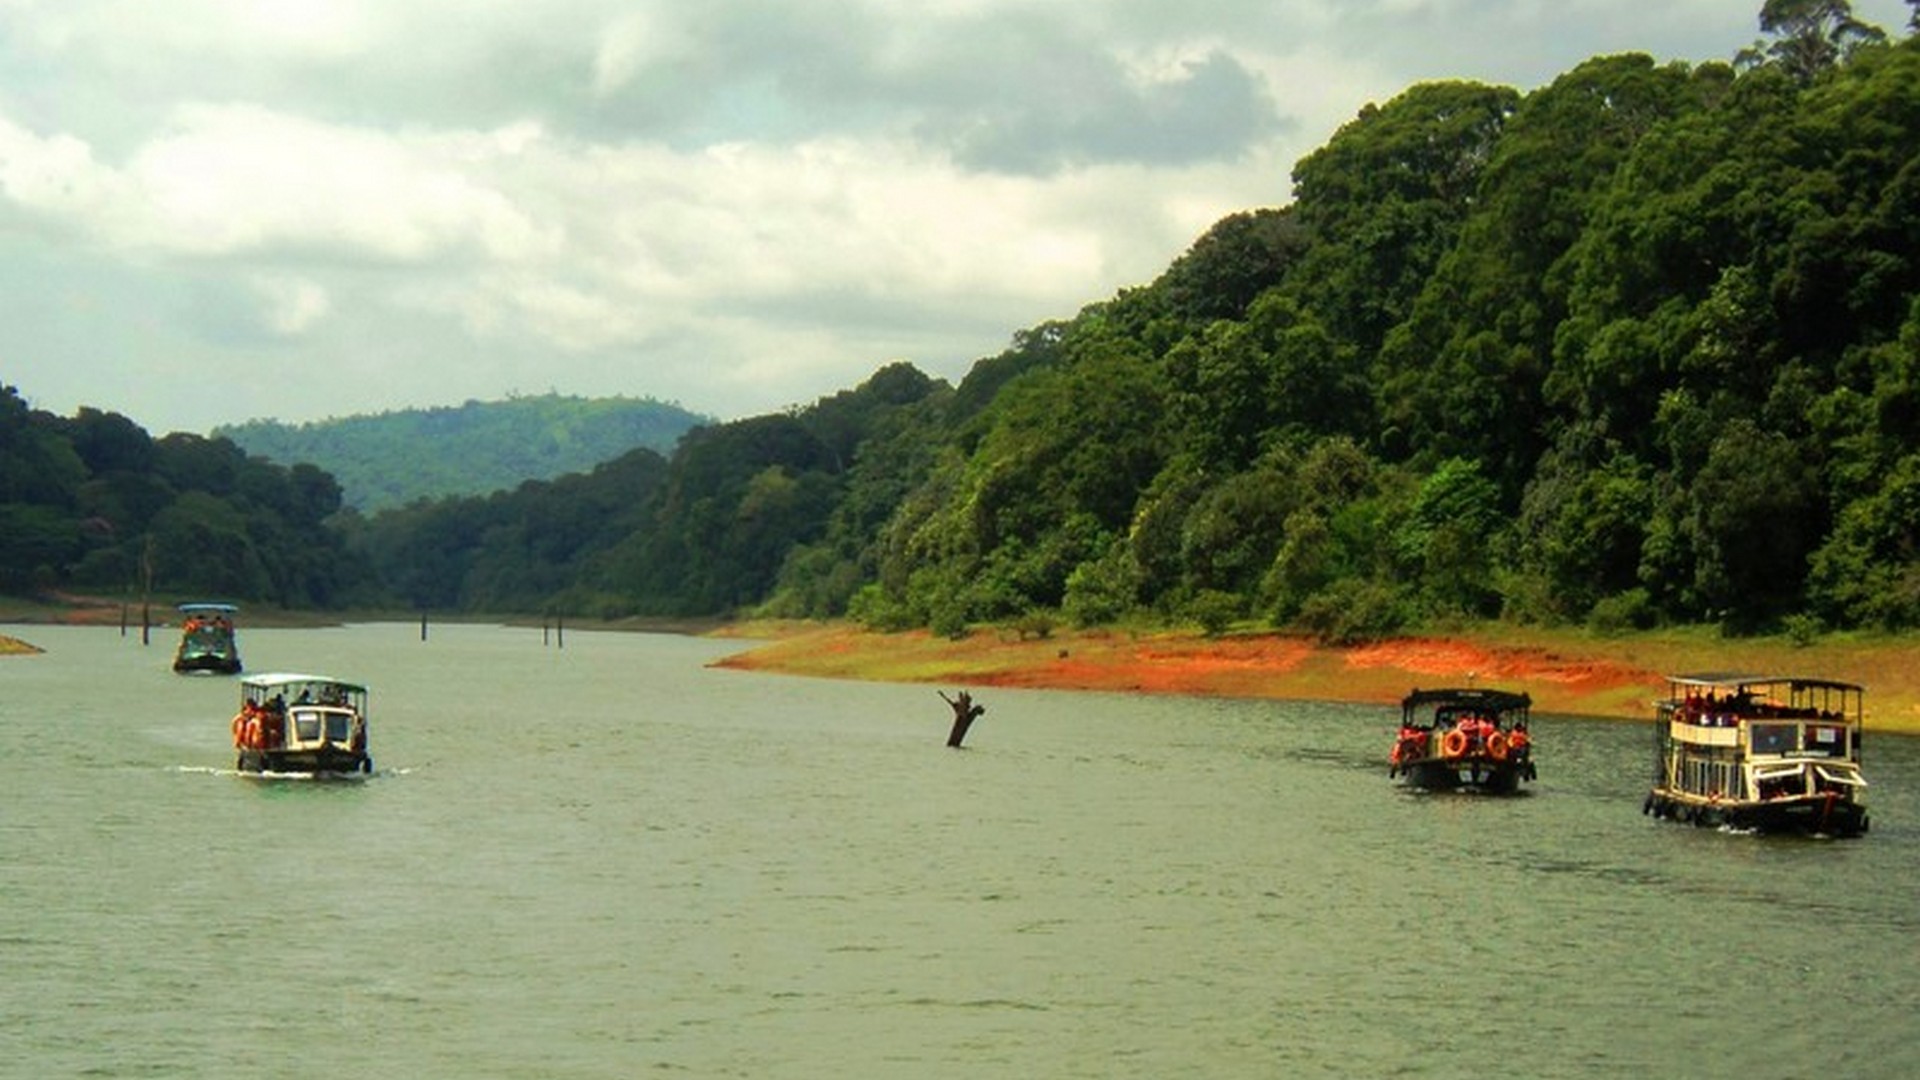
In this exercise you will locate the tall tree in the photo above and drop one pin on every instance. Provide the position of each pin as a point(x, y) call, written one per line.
point(1809, 36)
point(1384, 199)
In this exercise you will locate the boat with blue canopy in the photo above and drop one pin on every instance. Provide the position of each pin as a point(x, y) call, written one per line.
point(208, 644)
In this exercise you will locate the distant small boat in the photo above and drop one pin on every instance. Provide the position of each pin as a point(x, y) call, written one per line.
point(1771, 753)
point(207, 641)
point(1464, 737)
point(301, 724)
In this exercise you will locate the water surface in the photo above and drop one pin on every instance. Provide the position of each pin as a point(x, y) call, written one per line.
point(609, 860)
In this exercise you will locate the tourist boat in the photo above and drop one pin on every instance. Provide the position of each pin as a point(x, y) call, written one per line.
point(207, 641)
point(1464, 737)
point(301, 724)
point(1763, 752)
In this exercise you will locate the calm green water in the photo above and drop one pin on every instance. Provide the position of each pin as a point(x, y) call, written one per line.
point(611, 861)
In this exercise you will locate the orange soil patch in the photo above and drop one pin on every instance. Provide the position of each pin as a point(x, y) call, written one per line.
point(1497, 664)
point(1260, 665)
point(1567, 672)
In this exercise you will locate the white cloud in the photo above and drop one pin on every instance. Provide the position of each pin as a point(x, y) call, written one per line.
point(740, 204)
point(634, 42)
point(238, 179)
point(55, 178)
point(292, 305)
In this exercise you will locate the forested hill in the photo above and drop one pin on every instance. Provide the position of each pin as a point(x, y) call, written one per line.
point(390, 459)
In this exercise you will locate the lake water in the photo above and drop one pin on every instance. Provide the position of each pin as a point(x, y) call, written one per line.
point(610, 860)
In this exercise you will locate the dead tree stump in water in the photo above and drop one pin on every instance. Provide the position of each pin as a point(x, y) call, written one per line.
point(965, 712)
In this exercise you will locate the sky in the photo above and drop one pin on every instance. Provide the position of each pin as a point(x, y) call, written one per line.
point(217, 211)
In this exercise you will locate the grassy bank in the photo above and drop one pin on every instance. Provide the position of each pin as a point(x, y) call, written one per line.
point(1566, 671)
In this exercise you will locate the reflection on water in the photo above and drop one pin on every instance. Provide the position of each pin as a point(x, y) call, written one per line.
point(608, 860)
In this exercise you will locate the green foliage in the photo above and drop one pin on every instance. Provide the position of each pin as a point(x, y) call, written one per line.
point(1463, 374)
point(93, 502)
point(36, 542)
point(1802, 630)
point(1448, 538)
point(1810, 37)
point(1384, 201)
point(1104, 589)
point(1758, 516)
point(1034, 624)
point(1583, 523)
point(1868, 569)
point(1354, 611)
point(1235, 261)
point(1620, 613)
point(1215, 611)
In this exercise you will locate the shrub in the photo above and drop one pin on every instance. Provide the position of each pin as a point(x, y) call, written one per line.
point(1034, 624)
point(1621, 612)
point(1353, 611)
point(1214, 610)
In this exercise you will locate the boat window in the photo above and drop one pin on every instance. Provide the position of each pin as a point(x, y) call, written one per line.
point(306, 725)
point(1825, 740)
point(1775, 738)
point(338, 724)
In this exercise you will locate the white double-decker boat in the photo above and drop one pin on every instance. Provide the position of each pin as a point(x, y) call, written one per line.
point(1762, 752)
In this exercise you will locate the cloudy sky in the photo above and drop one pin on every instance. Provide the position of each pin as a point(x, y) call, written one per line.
point(212, 211)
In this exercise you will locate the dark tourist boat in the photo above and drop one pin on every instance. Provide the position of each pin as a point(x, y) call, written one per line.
point(1464, 737)
point(1768, 753)
point(311, 724)
point(207, 642)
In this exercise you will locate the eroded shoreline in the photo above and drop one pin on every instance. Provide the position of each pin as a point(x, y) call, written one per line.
point(1565, 672)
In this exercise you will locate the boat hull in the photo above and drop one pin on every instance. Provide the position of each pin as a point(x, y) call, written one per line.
point(1453, 774)
point(1813, 815)
point(207, 664)
point(327, 760)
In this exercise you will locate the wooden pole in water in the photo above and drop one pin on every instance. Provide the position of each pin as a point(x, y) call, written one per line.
point(543, 632)
point(965, 712)
point(146, 591)
point(559, 631)
point(423, 624)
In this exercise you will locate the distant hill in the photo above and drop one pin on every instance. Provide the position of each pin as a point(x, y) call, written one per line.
point(391, 459)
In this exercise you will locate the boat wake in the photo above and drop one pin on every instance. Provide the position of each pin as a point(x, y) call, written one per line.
point(323, 778)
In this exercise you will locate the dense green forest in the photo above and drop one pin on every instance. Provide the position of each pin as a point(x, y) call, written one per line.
point(1641, 346)
point(93, 502)
point(471, 449)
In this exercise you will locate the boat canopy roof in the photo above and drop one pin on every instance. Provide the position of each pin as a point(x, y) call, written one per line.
point(223, 609)
point(1496, 700)
point(281, 680)
point(1726, 680)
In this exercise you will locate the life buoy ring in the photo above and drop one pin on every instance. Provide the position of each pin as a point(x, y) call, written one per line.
point(253, 733)
point(239, 729)
point(1497, 746)
point(1453, 743)
point(1517, 741)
